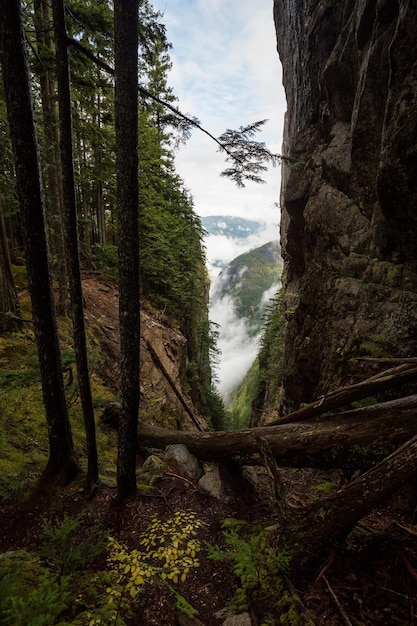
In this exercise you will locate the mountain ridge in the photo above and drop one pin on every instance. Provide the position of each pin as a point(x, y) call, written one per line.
point(231, 226)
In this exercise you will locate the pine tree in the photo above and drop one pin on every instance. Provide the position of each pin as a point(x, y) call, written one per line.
point(61, 461)
point(126, 110)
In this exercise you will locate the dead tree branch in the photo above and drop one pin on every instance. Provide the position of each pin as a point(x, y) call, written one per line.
point(388, 379)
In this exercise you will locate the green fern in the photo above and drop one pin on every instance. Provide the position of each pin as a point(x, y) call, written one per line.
point(259, 566)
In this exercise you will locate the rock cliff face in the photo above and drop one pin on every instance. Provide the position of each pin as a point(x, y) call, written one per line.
point(163, 358)
point(349, 196)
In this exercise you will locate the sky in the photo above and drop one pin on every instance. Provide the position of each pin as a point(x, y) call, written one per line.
point(226, 72)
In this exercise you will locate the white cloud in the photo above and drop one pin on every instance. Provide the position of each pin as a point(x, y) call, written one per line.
point(226, 71)
point(220, 250)
point(269, 294)
point(238, 349)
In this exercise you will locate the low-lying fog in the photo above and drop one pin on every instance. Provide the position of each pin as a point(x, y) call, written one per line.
point(237, 345)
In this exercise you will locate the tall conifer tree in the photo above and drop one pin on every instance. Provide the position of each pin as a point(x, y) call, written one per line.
point(71, 238)
point(126, 111)
point(29, 187)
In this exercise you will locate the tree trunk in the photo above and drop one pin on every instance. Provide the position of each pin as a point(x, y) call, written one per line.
point(99, 201)
point(406, 372)
point(71, 239)
point(53, 198)
point(351, 440)
point(312, 531)
point(173, 386)
point(9, 303)
point(126, 112)
point(61, 461)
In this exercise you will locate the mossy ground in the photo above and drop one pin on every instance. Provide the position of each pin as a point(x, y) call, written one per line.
point(23, 432)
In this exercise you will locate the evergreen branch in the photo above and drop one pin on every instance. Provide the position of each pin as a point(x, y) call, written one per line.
point(193, 121)
point(247, 155)
point(102, 64)
point(35, 52)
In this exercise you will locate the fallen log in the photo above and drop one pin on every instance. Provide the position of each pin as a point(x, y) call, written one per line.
point(388, 379)
point(351, 440)
point(312, 530)
point(173, 386)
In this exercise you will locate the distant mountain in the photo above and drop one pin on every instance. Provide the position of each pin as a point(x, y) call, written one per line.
point(232, 227)
point(250, 281)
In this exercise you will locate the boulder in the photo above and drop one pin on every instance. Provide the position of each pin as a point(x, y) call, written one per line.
point(186, 464)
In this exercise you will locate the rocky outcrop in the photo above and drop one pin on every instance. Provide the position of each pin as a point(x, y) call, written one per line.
point(164, 401)
point(163, 360)
point(349, 197)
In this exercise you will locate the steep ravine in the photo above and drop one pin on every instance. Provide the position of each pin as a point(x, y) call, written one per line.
point(349, 193)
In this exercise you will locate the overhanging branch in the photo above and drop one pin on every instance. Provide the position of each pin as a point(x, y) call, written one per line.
point(248, 156)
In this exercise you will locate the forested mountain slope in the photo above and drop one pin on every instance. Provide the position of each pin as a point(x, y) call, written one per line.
point(239, 300)
point(249, 281)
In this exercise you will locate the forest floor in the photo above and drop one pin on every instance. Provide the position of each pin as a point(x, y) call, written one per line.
point(369, 580)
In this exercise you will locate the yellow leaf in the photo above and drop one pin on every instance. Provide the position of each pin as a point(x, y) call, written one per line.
point(133, 591)
point(127, 569)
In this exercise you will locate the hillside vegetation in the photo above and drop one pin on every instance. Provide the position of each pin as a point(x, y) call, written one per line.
point(242, 298)
point(250, 280)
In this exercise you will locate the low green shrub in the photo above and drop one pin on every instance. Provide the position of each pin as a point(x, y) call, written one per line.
point(169, 552)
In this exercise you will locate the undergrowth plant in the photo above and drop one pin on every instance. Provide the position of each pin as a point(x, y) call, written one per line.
point(32, 595)
point(71, 545)
point(258, 565)
point(54, 585)
point(261, 566)
point(168, 553)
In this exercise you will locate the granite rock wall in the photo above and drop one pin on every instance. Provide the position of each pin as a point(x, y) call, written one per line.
point(349, 191)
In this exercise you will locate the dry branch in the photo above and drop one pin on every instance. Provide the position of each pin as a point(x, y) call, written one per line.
point(339, 606)
point(388, 379)
point(179, 395)
point(317, 527)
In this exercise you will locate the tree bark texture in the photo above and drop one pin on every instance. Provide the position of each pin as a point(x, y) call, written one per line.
point(29, 187)
point(126, 111)
point(71, 237)
point(53, 178)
